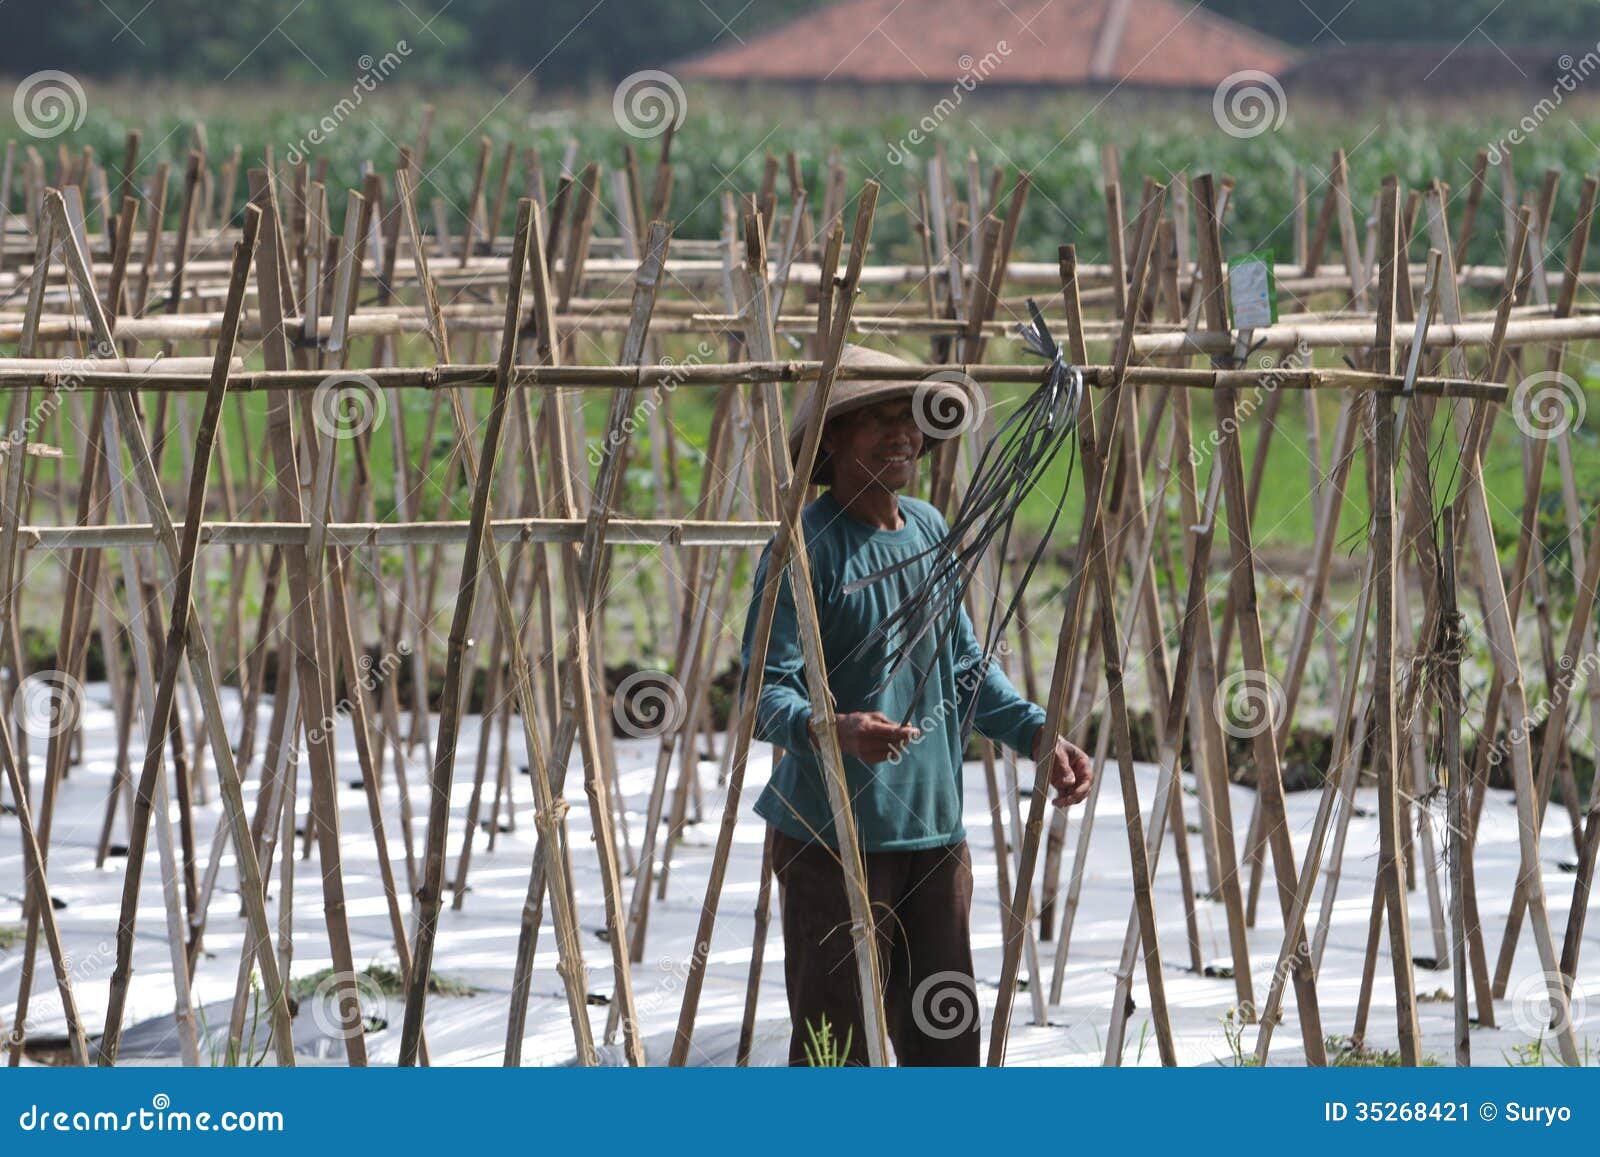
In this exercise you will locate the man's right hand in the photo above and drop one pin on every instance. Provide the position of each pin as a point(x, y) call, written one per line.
point(871, 736)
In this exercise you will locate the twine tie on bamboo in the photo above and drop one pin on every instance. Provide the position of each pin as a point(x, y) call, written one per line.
point(550, 819)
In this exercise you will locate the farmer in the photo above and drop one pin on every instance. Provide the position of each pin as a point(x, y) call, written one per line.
point(905, 781)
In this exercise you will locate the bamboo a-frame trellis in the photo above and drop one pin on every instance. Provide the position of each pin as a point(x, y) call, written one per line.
point(289, 501)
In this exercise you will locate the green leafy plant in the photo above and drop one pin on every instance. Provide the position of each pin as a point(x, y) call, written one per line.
point(1537, 1054)
point(1144, 1039)
point(1233, 1026)
point(384, 979)
point(245, 1053)
point(823, 1049)
point(1349, 1053)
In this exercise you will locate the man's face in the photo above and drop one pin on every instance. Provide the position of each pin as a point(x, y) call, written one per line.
point(875, 446)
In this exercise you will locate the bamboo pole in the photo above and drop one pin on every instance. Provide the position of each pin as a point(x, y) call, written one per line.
point(1092, 541)
point(1167, 759)
point(1385, 716)
point(15, 497)
point(1458, 846)
point(583, 581)
point(308, 641)
point(780, 555)
point(1338, 791)
point(689, 651)
point(144, 633)
point(1269, 782)
point(527, 258)
point(199, 656)
point(41, 908)
point(1498, 625)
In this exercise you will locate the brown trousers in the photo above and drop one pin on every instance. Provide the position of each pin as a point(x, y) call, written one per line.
point(921, 907)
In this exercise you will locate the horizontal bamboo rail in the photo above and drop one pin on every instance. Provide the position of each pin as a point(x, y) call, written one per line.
point(737, 373)
point(351, 535)
point(693, 272)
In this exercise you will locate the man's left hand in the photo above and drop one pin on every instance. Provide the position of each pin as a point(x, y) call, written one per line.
point(1070, 771)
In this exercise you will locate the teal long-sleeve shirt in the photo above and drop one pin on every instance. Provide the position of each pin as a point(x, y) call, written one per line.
point(903, 805)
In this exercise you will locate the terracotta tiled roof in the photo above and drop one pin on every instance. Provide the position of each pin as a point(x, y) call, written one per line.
point(1144, 43)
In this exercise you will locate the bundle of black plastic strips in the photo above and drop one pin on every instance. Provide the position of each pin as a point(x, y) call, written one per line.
point(1009, 469)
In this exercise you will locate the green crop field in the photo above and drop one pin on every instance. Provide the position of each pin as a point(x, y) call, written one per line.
point(722, 143)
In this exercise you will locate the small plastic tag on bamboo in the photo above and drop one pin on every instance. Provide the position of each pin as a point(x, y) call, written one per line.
point(1252, 291)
